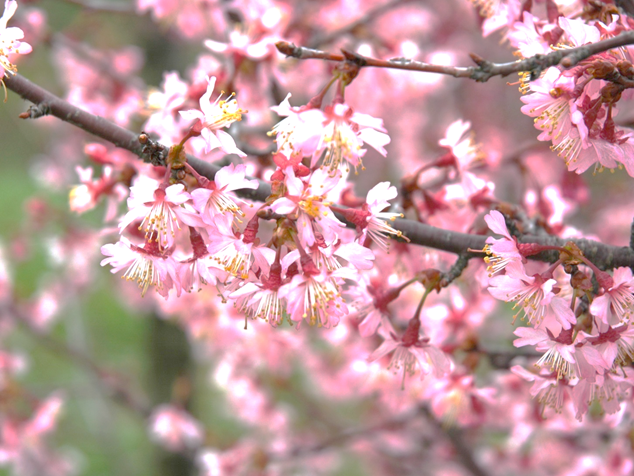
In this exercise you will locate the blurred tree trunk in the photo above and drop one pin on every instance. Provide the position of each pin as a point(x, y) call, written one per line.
point(170, 377)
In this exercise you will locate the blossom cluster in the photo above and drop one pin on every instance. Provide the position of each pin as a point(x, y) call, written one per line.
point(267, 229)
point(207, 235)
point(575, 109)
point(586, 350)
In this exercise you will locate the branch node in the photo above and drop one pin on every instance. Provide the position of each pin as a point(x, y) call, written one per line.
point(36, 111)
point(479, 60)
point(153, 152)
point(353, 57)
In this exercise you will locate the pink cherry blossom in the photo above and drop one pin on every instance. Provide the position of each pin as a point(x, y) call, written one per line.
point(615, 304)
point(558, 351)
point(260, 298)
point(608, 390)
point(235, 253)
point(412, 351)
point(502, 251)
point(551, 103)
point(161, 213)
point(465, 152)
point(214, 117)
point(85, 197)
point(547, 388)
point(342, 136)
point(299, 132)
point(532, 293)
point(218, 197)
point(175, 429)
point(316, 298)
point(308, 202)
point(498, 14)
point(615, 344)
point(146, 265)
point(10, 37)
point(371, 221)
point(196, 272)
point(527, 36)
point(579, 32)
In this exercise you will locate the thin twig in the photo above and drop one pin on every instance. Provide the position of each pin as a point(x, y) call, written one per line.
point(484, 70)
point(454, 435)
point(456, 269)
point(344, 436)
point(114, 385)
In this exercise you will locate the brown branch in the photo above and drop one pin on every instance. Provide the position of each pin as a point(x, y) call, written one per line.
point(343, 437)
point(484, 70)
point(604, 256)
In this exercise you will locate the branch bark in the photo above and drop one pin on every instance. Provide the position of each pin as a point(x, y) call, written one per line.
point(484, 70)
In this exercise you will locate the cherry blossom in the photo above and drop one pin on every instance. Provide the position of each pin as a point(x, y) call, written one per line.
point(274, 265)
point(532, 293)
point(161, 214)
point(260, 299)
point(236, 252)
point(615, 304)
point(85, 197)
point(218, 197)
point(308, 202)
point(146, 265)
point(316, 297)
point(343, 134)
point(547, 388)
point(411, 351)
point(502, 251)
point(299, 132)
point(10, 43)
point(214, 117)
point(174, 428)
point(559, 351)
point(370, 221)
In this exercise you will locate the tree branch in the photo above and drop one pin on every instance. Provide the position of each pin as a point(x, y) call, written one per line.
point(603, 256)
point(484, 70)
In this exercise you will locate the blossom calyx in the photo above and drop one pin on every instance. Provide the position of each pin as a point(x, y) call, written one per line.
point(604, 279)
point(601, 69)
point(381, 296)
point(571, 254)
point(176, 157)
point(580, 280)
point(358, 218)
point(530, 249)
point(411, 336)
point(431, 279)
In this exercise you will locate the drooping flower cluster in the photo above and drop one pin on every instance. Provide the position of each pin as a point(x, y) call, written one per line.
point(179, 239)
point(575, 109)
point(585, 350)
